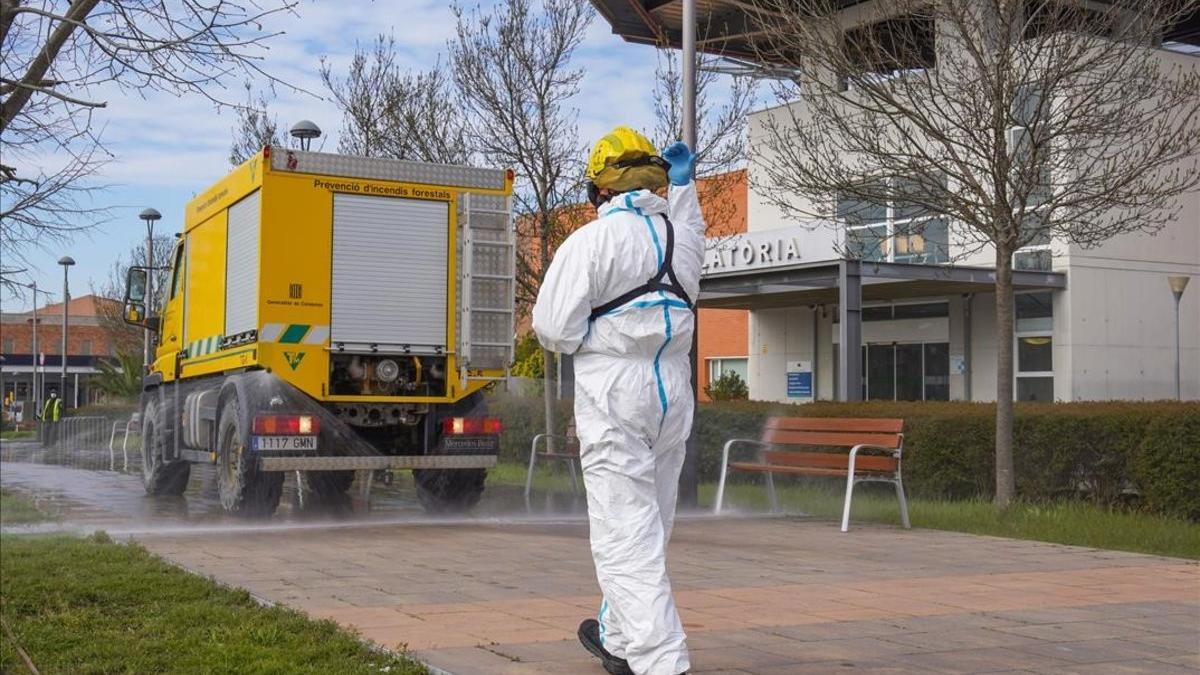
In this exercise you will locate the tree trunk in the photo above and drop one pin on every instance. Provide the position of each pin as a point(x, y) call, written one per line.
point(1005, 480)
point(75, 14)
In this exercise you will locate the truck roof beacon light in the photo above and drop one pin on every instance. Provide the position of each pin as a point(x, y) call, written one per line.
point(305, 131)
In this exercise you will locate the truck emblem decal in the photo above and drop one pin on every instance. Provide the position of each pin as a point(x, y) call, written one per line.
point(294, 358)
point(295, 291)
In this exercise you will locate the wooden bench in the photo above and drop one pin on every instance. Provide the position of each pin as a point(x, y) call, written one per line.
point(875, 445)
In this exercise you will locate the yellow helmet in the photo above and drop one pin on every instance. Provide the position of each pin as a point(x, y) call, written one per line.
point(626, 160)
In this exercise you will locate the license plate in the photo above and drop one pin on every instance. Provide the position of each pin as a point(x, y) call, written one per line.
point(284, 442)
point(471, 444)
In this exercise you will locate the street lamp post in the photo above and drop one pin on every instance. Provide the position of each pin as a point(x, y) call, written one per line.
point(1178, 284)
point(149, 216)
point(66, 261)
point(33, 347)
point(37, 392)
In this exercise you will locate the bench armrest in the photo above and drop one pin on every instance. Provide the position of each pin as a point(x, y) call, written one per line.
point(739, 441)
point(567, 440)
point(894, 452)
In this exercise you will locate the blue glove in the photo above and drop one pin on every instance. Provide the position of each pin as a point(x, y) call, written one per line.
point(682, 161)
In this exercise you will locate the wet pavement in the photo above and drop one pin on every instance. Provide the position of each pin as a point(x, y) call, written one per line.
point(501, 592)
point(99, 489)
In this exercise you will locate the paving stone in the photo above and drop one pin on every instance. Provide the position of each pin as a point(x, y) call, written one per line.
point(762, 595)
point(975, 661)
point(1098, 651)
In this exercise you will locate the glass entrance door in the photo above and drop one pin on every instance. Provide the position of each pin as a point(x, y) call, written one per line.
point(910, 373)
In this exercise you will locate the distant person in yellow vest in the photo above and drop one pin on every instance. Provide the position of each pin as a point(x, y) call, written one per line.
point(52, 413)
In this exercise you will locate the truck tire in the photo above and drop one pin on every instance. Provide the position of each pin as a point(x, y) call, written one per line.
point(244, 490)
point(449, 490)
point(323, 489)
point(160, 478)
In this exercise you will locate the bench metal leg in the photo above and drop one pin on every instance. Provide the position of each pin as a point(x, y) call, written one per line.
point(849, 493)
point(529, 475)
point(720, 498)
point(903, 504)
point(771, 493)
point(574, 480)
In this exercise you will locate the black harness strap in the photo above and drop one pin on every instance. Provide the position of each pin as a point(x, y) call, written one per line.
point(654, 283)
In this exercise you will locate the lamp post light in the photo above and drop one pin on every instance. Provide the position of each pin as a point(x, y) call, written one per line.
point(149, 216)
point(66, 261)
point(1178, 283)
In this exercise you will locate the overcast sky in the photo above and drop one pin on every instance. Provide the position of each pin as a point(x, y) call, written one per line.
point(167, 148)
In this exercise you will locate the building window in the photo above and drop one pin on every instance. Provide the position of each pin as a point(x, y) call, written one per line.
point(10, 346)
point(916, 310)
point(85, 348)
point(721, 365)
point(177, 270)
point(903, 371)
point(1025, 137)
point(899, 231)
point(1035, 347)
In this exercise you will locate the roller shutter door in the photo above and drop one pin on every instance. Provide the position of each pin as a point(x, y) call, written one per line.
point(241, 265)
point(389, 273)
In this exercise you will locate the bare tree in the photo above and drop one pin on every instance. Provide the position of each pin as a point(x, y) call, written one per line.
point(255, 129)
point(390, 112)
point(722, 107)
point(512, 68)
point(1014, 121)
point(60, 60)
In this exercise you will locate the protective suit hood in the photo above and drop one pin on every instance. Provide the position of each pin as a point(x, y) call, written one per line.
point(645, 200)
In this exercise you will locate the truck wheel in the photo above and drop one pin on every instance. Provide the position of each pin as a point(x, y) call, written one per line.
point(449, 490)
point(160, 478)
point(323, 489)
point(244, 490)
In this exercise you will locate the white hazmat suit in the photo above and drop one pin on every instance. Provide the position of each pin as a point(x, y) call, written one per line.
point(633, 404)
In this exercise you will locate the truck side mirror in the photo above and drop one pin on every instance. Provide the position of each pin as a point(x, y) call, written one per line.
point(135, 285)
point(135, 314)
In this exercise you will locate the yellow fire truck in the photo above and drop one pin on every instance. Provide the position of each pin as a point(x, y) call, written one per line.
point(327, 314)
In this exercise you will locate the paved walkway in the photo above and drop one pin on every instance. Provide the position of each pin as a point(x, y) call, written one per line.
point(765, 596)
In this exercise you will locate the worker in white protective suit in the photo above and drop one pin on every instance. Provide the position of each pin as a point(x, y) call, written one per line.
point(619, 296)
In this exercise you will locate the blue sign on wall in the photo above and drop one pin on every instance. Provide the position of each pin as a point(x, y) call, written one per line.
point(799, 384)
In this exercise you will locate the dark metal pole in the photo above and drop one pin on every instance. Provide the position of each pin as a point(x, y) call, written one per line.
point(850, 331)
point(147, 356)
point(689, 478)
point(1178, 365)
point(66, 263)
point(37, 398)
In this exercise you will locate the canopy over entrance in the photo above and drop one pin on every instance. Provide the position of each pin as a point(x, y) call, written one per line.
point(818, 283)
point(846, 283)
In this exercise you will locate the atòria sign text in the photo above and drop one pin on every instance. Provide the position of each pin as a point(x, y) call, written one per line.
point(753, 250)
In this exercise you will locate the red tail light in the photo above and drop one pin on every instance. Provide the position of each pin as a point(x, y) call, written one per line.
point(286, 425)
point(470, 426)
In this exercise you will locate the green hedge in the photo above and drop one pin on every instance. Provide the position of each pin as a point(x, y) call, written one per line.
point(1112, 452)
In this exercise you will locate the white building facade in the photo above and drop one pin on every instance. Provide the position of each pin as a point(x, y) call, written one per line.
point(1091, 324)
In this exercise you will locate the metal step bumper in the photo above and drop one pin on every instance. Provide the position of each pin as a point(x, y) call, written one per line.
point(373, 462)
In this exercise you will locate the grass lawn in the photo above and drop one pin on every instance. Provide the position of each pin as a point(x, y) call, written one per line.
point(1067, 522)
point(17, 435)
point(90, 605)
point(17, 509)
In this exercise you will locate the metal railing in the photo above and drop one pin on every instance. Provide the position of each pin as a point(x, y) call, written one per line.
point(84, 442)
point(131, 426)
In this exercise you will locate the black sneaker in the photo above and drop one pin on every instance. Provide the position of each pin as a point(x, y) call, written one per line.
point(589, 636)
